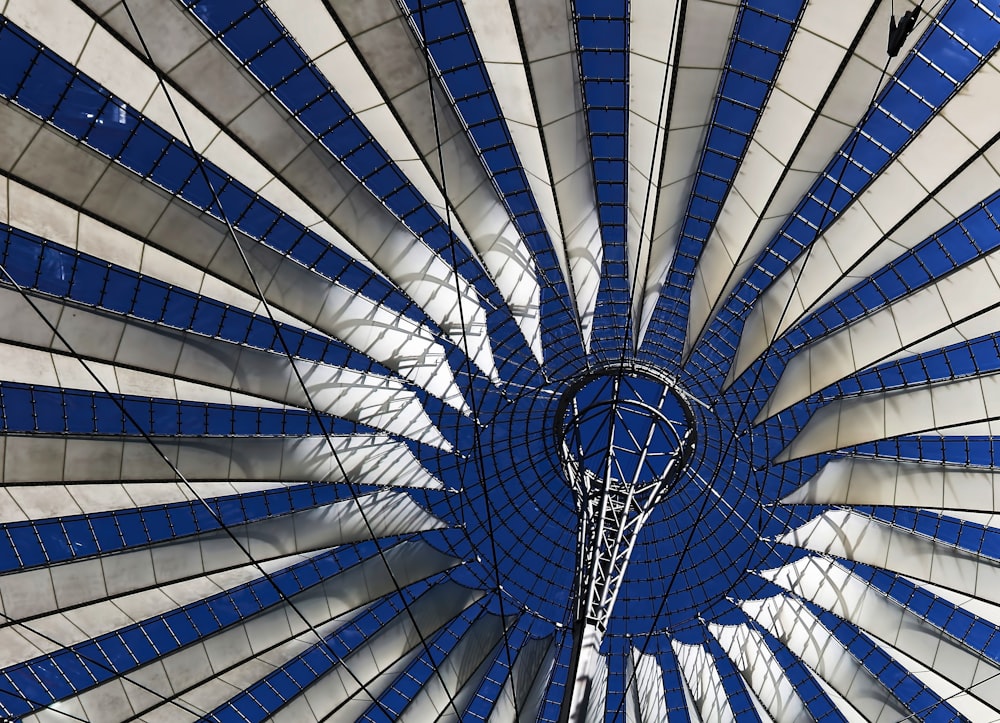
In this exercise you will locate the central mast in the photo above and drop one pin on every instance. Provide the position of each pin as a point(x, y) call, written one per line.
point(625, 438)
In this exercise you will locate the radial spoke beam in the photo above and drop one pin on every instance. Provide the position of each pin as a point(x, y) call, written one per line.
point(920, 191)
point(646, 700)
point(521, 695)
point(704, 682)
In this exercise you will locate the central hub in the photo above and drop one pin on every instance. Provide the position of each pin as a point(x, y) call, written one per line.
point(625, 430)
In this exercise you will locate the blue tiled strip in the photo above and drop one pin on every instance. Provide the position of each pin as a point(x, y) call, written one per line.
point(45, 85)
point(602, 41)
point(79, 667)
point(37, 408)
point(24, 545)
point(763, 30)
point(258, 40)
point(51, 268)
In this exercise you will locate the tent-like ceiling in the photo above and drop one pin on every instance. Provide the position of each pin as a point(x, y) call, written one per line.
point(559, 360)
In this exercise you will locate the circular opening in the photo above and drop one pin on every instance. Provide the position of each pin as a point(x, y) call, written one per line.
point(627, 430)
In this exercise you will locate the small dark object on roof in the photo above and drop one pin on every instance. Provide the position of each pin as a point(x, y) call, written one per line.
point(899, 33)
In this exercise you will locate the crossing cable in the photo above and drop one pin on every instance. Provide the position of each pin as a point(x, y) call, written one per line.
point(848, 158)
point(330, 654)
point(732, 440)
point(128, 416)
point(478, 462)
point(301, 381)
point(38, 706)
point(669, 73)
point(961, 691)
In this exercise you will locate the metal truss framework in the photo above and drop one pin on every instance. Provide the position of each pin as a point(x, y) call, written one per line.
point(625, 440)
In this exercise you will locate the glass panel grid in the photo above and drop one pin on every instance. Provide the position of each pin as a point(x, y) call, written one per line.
point(760, 40)
point(914, 94)
point(121, 652)
point(55, 91)
point(602, 32)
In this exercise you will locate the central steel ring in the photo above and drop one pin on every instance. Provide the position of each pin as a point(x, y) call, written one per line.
point(628, 428)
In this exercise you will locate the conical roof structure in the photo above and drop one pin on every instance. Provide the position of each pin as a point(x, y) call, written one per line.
point(557, 360)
